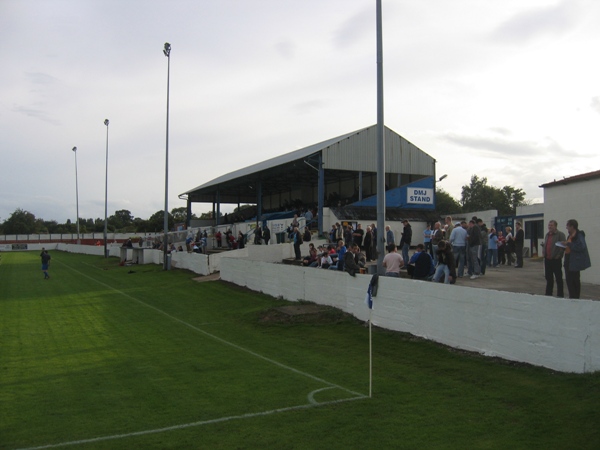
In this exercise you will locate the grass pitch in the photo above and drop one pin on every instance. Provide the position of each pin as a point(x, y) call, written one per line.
point(103, 356)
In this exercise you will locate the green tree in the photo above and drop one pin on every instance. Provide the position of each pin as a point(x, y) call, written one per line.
point(179, 214)
point(445, 203)
point(21, 222)
point(121, 220)
point(140, 225)
point(478, 196)
point(156, 221)
point(512, 198)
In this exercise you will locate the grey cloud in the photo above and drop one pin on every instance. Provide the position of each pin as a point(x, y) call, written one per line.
point(354, 29)
point(37, 114)
point(595, 104)
point(308, 106)
point(528, 25)
point(498, 146)
point(40, 78)
point(501, 130)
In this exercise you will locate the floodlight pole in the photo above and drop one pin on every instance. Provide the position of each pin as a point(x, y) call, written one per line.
point(106, 122)
point(77, 195)
point(380, 148)
point(167, 53)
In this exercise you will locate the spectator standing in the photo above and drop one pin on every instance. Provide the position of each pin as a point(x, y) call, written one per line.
point(266, 235)
point(484, 245)
point(510, 246)
point(297, 239)
point(309, 217)
point(501, 248)
point(258, 235)
point(389, 237)
point(577, 258)
point(492, 252)
point(553, 255)
point(333, 234)
point(449, 227)
point(436, 237)
point(473, 245)
point(241, 240)
point(458, 240)
point(358, 235)
point(348, 235)
point(519, 241)
point(427, 239)
point(368, 244)
point(406, 239)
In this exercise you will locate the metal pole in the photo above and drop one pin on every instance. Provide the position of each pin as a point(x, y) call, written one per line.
point(380, 148)
point(106, 122)
point(167, 52)
point(77, 195)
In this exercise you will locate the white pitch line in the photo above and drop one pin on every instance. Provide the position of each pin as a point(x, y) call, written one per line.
point(312, 402)
point(193, 424)
point(223, 341)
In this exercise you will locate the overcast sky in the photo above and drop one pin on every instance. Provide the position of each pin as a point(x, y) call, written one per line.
point(507, 90)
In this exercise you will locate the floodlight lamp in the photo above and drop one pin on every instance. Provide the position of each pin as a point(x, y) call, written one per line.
point(106, 122)
point(167, 50)
point(74, 149)
point(442, 177)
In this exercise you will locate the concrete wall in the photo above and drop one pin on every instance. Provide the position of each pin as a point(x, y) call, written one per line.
point(577, 201)
point(544, 331)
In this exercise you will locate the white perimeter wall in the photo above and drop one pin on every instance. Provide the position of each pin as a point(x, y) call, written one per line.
point(559, 334)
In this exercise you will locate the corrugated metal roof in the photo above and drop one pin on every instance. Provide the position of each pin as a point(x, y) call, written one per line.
point(358, 152)
point(355, 151)
point(271, 163)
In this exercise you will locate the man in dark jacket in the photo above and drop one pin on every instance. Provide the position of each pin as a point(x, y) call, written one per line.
point(553, 259)
point(406, 239)
point(446, 267)
point(519, 242)
point(350, 264)
point(473, 246)
point(577, 258)
point(266, 235)
point(421, 265)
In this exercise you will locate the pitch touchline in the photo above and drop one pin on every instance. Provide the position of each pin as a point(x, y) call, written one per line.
point(192, 424)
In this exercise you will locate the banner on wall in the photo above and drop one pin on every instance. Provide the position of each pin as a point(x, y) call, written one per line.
point(419, 194)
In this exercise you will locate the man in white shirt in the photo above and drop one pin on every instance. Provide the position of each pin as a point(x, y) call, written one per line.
point(458, 239)
point(393, 262)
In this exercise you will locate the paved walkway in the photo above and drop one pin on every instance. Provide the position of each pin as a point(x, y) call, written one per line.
point(529, 279)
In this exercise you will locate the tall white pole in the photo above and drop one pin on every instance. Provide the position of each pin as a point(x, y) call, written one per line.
point(380, 148)
point(167, 52)
point(77, 195)
point(106, 122)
